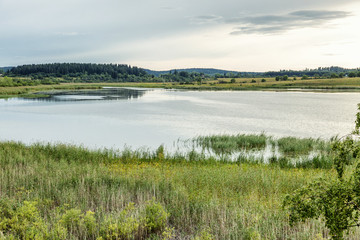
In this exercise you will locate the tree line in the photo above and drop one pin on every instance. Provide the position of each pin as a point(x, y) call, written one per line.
point(89, 71)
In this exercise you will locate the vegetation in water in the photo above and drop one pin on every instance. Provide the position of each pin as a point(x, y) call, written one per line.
point(221, 144)
point(286, 152)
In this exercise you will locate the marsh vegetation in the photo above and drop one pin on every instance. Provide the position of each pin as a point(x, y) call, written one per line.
point(61, 191)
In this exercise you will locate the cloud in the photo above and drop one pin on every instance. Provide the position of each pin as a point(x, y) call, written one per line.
point(67, 33)
point(269, 24)
point(207, 19)
point(320, 14)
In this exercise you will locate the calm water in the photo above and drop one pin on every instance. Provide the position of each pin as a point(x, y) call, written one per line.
point(113, 118)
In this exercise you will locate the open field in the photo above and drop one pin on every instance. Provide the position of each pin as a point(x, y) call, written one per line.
point(299, 83)
point(338, 84)
point(61, 191)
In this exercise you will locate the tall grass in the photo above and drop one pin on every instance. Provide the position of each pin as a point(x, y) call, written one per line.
point(196, 198)
point(286, 152)
point(221, 144)
point(301, 146)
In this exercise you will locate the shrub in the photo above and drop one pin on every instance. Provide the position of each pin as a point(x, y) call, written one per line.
point(160, 152)
point(204, 235)
point(121, 226)
point(156, 216)
point(77, 223)
point(22, 222)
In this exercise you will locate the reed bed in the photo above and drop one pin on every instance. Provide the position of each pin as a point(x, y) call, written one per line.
point(286, 152)
point(63, 191)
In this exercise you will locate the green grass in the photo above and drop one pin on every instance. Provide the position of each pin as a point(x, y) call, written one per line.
point(222, 144)
point(287, 152)
point(54, 186)
point(298, 146)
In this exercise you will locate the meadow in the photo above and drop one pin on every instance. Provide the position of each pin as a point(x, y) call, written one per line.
point(69, 192)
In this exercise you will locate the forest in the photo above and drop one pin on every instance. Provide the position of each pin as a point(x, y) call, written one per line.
point(90, 72)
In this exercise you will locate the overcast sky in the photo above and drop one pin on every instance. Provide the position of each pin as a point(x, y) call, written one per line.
point(242, 35)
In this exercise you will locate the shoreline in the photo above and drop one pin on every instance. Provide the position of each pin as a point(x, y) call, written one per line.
point(36, 91)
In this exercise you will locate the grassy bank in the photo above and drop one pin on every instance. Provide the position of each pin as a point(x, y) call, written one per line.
point(61, 191)
point(344, 84)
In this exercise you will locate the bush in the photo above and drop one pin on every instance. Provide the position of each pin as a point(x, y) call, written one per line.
point(79, 224)
point(204, 235)
point(121, 226)
point(156, 217)
point(305, 77)
point(22, 222)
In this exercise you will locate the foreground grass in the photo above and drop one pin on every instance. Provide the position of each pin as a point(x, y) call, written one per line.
point(73, 193)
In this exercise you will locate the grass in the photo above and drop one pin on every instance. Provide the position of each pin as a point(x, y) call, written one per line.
point(75, 193)
point(222, 144)
point(297, 146)
point(286, 152)
point(340, 83)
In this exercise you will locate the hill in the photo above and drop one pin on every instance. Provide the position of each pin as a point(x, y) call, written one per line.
point(5, 69)
point(207, 71)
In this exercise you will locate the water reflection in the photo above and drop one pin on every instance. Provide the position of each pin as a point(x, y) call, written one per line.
point(86, 95)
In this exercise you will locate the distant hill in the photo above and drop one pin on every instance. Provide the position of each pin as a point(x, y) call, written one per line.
point(207, 71)
point(5, 69)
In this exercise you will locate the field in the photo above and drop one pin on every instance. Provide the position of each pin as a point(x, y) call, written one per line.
point(62, 191)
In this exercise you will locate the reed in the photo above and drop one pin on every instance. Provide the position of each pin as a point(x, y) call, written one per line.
point(87, 194)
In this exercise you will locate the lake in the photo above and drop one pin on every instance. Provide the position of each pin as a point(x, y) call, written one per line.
point(115, 117)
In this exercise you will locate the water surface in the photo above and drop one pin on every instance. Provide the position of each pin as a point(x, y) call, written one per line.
point(113, 118)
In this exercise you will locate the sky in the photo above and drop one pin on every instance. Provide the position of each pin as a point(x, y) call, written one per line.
point(239, 35)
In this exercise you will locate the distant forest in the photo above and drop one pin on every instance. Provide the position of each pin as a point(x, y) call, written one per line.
point(83, 71)
point(89, 72)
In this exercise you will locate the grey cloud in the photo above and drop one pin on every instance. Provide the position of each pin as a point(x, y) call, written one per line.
point(269, 24)
point(260, 20)
point(208, 17)
point(203, 19)
point(320, 14)
point(263, 30)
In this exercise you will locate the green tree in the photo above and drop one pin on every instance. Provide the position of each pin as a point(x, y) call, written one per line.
point(337, 201)
point(352, 74)
point(334, 75)
point(304, 77)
